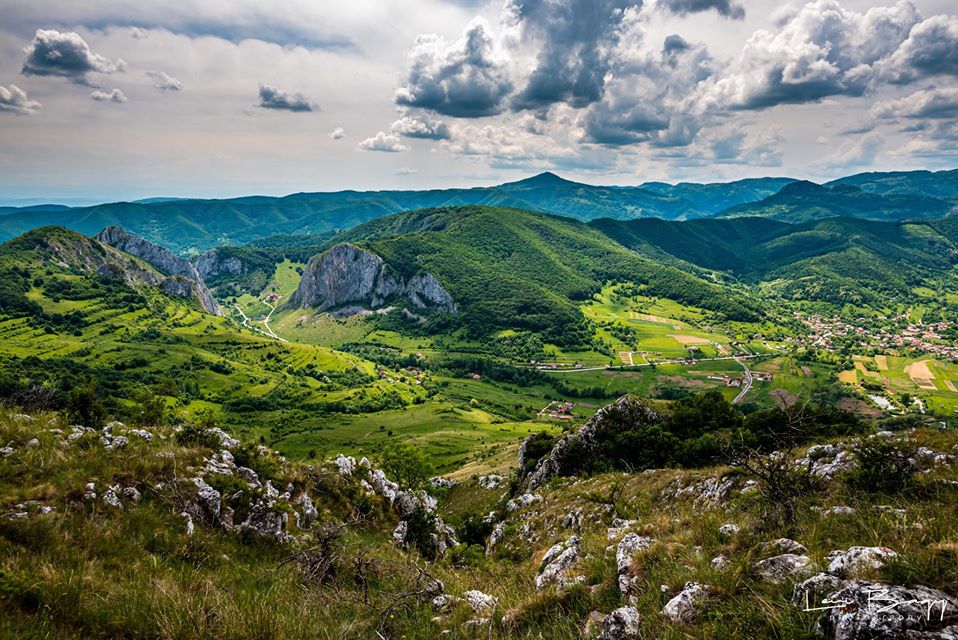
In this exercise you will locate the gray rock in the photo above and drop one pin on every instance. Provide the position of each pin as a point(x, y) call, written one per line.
point(619, 528)
point(347, 274)
point(131, 494)
point(720, 561)
point(873, 611)
point(306, 512)
point(345, 464)
point(189, 523)
point(631, 544)
point(783, 545)
point(839, 510)
point(557, 562)
point(809, 594)
point(110, 497)
point(729, 529)
point(783, 568)
point(208, 502)
point(855, 562)
point(621, 624)
point(142, 434)
point(491, 481)
point(480, 602)
point(523, 501)
point(184, 280)
point(685, 606)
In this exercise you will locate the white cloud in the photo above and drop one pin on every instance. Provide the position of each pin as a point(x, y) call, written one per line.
point(383, 142)
point(337, 134)
point(66, 55)
point(13, 99)
point(466, 78)
point(164, 81)
point(423, 128)
point(116, 96)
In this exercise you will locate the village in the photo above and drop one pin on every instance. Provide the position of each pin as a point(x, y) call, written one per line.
point(897, 333)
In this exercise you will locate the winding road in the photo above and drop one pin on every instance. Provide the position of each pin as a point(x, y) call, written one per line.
point(746, 386)
point(248, 323)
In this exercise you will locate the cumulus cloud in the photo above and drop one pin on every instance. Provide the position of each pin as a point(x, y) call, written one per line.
point(271, 97)
point(725, 8)
point(337, 134)
point(423, 128)
point(645, 100)
point(164, 81)
point(65, 55)
point(116, 96)
point(466, 78)
point(930, 49)
point(576, 40)
point(13, 99)
point(383, 141)
point(822, 50)
point(928, 103)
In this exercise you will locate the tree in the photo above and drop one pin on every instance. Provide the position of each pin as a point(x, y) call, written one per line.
point(85, 407)
point(405, 464)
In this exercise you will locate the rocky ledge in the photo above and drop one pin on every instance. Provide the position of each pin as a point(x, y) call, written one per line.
point(347, 274)
point(183, 281)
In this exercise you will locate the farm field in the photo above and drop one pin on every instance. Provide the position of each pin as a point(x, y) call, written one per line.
point(932, 381)
point(451, 436)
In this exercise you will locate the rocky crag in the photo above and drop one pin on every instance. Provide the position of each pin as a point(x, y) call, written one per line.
point(183, 279)
point(349, 275)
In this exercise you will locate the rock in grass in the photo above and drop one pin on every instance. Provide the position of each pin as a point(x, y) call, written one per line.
point(874, 611)
point(855, 562)
point(783, 545)
point(557, 562)
point(480, 602)
point(621, 624)
point(631, 544)
point(809, 594)
point(784, 567)
point(685, 606)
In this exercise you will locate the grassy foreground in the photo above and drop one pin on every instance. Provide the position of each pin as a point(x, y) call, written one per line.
point(89, 570)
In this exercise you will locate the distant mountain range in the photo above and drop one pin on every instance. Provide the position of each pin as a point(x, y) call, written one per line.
point(192, 226)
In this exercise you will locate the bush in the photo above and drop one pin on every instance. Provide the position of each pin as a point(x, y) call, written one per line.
point(85, 407)
point(473, 529)
point(421, 532)
point(883, 467)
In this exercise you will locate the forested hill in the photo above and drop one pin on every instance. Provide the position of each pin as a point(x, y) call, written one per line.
point(839, 259)
point(197, 225)
point(509, 268)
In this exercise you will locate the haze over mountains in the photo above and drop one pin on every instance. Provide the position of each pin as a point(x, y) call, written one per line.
point(184, 225)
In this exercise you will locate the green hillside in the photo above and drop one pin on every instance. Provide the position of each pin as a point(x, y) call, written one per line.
point(185, 225)
point(938, 184)
point(838, 260)
point(804, 201)
point(513, 269)
point(64, 326)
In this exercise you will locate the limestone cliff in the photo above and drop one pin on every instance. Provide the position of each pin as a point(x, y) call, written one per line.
point(184, 280)
point(217, 263)
point(347, 274)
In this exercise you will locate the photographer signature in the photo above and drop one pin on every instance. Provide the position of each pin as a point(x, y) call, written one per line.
point(881, 600)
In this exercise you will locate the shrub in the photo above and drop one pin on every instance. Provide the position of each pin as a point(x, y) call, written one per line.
point(883, 466)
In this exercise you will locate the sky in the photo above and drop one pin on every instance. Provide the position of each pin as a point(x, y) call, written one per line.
point(108, 100)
